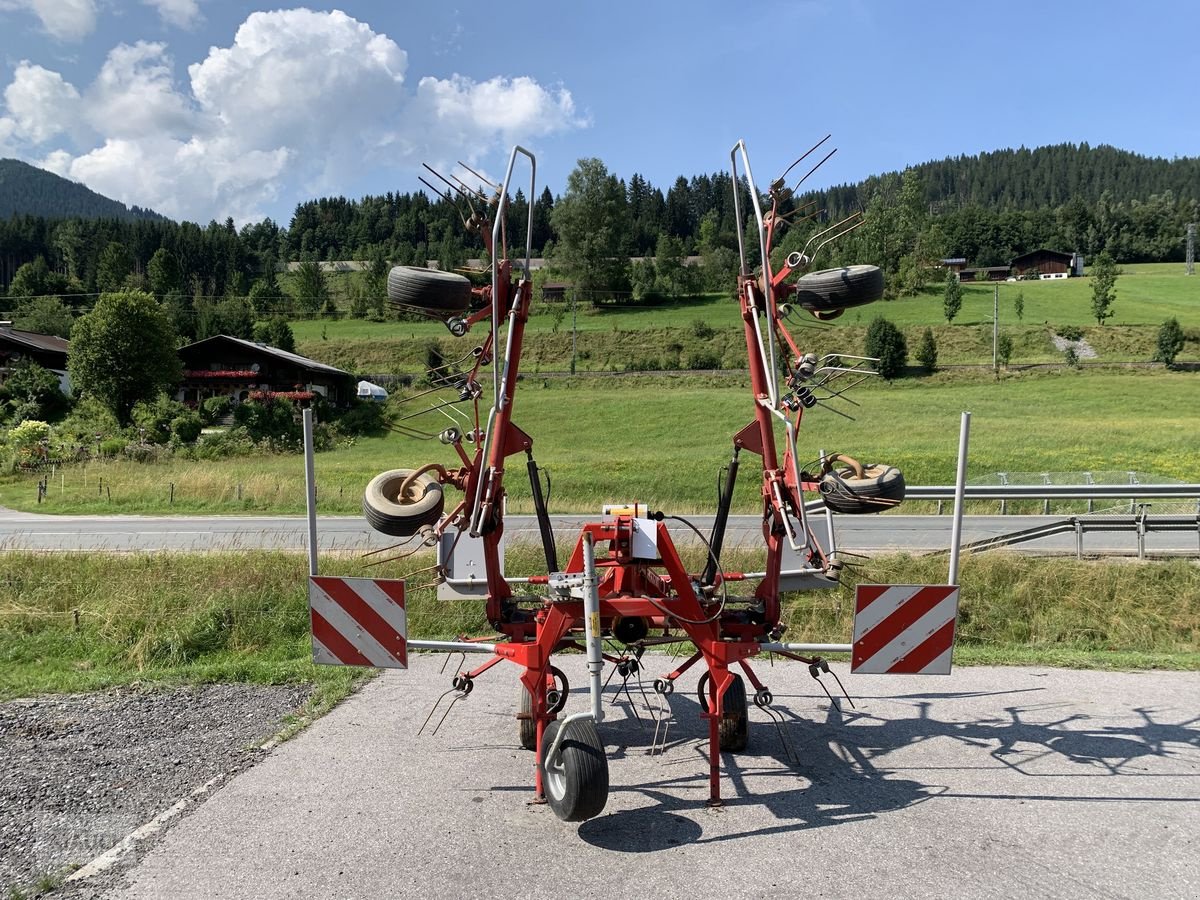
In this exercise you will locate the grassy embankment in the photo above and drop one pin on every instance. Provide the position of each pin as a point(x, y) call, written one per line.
point(166, 619)
point(661, 439)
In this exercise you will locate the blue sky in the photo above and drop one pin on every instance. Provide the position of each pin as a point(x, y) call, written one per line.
point(208, 108)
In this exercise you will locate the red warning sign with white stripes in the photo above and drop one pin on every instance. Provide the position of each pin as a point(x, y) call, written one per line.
point(358, 622)
point(904, 629)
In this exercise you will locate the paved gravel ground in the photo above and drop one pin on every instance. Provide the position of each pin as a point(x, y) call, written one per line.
point(79, 772)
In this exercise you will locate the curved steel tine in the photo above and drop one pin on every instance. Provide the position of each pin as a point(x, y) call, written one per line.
point(486, 181)
point(412, 432)
point(446, 662)
point(807, 152)
point(403, 543)
point(664, 715)
point(433, 709)
point(814, 168)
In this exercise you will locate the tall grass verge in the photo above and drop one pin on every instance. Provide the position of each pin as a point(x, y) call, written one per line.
point(90, 622)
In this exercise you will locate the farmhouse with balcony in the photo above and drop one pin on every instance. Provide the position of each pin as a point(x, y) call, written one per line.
point(224, 366)
point(46, 350)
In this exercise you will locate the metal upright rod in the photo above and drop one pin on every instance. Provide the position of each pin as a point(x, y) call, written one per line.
point(310, 483)
point(995, 326)
point(960, 489)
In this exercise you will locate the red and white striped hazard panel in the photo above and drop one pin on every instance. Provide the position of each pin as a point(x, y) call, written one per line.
point(904, 629)
point(358, 622)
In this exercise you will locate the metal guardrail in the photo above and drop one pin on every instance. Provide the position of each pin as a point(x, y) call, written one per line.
point(1056, 491)
point(1142, 524)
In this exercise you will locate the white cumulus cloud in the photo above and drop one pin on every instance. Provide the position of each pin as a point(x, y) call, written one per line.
point(67, 20)
point(41, 104)
point(180, 13)
point(300, 102)
point(135, 95)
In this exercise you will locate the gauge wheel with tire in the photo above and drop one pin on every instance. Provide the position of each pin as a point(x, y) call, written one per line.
point(576, 781)
point(526, 723)
point(389, 513)
point(831, 290)
point(733, 731)
point(444, 293)
point(858, 489)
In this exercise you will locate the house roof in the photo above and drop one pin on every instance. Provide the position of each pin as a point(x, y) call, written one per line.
point(32, 339)
point(294, 358)
point(1065, 257)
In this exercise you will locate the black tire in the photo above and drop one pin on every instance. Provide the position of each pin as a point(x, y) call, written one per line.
point(733, 731)
point(831, 290)
point(397, 516)
point(881, 487)
point(444, 293)
point(576, 783)
point(526, 727)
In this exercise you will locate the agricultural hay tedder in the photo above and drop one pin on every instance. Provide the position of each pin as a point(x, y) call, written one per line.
point(625, 581)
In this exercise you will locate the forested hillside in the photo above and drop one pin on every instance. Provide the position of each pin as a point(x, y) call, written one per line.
point(28, 190)
point(986, 208)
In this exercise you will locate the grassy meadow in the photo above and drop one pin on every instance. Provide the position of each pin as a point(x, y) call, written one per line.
point(661, 439)
point(632, 337)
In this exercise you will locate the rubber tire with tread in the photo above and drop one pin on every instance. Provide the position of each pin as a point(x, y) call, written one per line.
point(577, 789)
point(733, 733)
point(831, 290)
point(445, 293)
point(526, 728)
point(854, 496)
point(384, 512)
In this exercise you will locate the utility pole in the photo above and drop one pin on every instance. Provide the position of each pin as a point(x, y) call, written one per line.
point(1191, 248)
point(995, 326)
point(574, 304)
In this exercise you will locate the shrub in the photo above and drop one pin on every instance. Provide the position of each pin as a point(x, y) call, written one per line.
point(221, 445)
point(186, 427)
point(113, 446)
point(364, 417)
point(29, 433)
point(927, 353)
point(702, 329)
point(1170, 341)
point(886, 343)
point(1004, 348)
point(703, 359)
point(272, 421)
point(214, 408)
point(153, 419)
point(1069, 332)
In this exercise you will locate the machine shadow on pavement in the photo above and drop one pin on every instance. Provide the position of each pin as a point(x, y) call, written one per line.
point(838, 771)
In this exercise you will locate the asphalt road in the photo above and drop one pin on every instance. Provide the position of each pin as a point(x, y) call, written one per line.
point(21, 531)
point(993, 782)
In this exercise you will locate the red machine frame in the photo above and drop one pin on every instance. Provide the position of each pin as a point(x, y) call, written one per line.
point(657, 600)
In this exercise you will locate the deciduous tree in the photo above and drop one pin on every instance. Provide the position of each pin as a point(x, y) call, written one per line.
point(123, 351)
point(952, 300)
point(1104, 286)
point(593, 226)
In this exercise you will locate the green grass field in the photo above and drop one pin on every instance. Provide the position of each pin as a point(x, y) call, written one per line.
point(620, 338)
point(661, 440)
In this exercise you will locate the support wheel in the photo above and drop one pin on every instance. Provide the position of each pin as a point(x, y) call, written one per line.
point(436, 292)
point(856, 489)
point(833, 290)
point(526, 727)
point(733, 731)
point(576, 782)
point(733, 734)
point(399, 516)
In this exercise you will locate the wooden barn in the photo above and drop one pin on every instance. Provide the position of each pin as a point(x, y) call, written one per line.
point(46, 350)
point(1044, 262)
